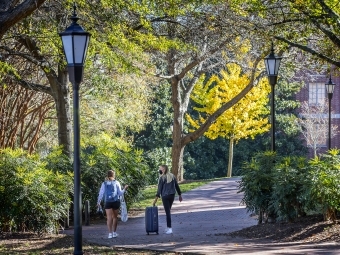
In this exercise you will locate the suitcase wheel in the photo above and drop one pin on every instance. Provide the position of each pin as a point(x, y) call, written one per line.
point(147, 232)
point(157, 233)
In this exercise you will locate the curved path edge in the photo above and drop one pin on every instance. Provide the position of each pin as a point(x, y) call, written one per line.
point(200, 224)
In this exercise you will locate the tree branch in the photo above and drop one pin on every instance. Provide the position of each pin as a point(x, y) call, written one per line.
point(23, 55)
point(10, 16)
point(309, 50)
point(31, 86)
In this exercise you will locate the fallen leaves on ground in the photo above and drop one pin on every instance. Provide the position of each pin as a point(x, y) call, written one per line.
point(29, 244)
point(310, 229)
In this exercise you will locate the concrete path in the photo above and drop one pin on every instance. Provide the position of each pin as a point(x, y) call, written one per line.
point(199, 224)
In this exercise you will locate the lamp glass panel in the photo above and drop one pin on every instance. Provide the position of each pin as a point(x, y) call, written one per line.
point(333, 86)
point(270, 66)
point(68, 48)
point(80, 47)
point(330, 88)
point(87, 45)
point(277, 65)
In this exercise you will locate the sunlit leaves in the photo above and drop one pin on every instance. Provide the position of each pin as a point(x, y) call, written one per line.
point(245, 119)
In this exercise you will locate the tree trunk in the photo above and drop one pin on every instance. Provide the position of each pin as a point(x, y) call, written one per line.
point(61, 95)
point(329, 214)
point(63, 113)
point(177, 133)
point(177, 161)
point(231, 154)
point(260, 219)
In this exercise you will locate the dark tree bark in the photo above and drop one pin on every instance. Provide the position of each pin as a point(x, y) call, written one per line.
point(11, 12)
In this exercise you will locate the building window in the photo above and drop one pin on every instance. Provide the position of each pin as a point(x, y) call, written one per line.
point(317, 93)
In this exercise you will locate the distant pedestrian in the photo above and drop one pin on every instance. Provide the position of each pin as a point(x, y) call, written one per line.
point(167, 187)
point(111, 190)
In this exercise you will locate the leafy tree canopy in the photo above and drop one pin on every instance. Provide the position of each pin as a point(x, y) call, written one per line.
point(244, 119)
point(311, 26)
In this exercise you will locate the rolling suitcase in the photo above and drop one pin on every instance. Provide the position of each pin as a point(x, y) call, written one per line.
point(151, 219)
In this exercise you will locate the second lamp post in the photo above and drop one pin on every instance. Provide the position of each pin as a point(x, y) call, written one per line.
point(272, 63)
point(329, 89)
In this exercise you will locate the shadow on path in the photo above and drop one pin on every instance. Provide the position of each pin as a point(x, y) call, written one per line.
point(199, 223)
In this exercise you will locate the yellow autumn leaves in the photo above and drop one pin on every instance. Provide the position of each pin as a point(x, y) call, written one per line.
point(245, 119)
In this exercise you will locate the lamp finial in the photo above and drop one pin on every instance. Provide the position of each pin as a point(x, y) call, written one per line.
point(330, 79)
point(74, 16)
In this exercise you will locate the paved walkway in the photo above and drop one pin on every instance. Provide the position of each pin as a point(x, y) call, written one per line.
point(199, 222)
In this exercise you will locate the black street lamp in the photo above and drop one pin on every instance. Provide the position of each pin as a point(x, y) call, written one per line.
point(272, 63)
point(329, 89)
point(75, 42)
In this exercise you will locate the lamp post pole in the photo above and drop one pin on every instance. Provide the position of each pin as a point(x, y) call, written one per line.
point(272, 115)
point(75, 42)
point(329, 89)
point(272, 63)
point(77, 203)
point(329, 120)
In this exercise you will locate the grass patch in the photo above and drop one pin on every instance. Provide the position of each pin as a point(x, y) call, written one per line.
point(150, 192)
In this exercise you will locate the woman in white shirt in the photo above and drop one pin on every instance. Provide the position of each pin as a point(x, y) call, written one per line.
point(110, 190)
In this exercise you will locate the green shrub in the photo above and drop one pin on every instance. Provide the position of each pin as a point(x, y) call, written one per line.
point(324, 182)
point(56, 161)
point(103, 153)
point(286, 188)
point(288, 198)
point(156, 157)
point(257, 184)
point(33, 198)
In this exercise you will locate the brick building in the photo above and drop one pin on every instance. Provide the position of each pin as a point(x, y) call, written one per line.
point(315, 93)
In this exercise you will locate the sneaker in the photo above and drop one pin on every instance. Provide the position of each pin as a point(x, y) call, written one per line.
point(114, 234)
point(110, 235)
point(165, 230)
point(169, 231)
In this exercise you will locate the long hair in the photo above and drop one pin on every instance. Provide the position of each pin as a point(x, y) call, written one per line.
point(169, 176)
point(166, 169)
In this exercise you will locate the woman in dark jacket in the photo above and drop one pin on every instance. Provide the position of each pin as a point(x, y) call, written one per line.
point(167, 187)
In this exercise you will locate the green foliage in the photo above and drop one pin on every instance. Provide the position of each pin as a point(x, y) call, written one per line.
point(288, 199)
point(57, 161)
point(205, 159)
point(5, 68)
point(288, 136)
point(33, 198)
point(290, 187)
point(155, 140)
point(257, 182)
point(103, 153)
point(156, 157)
point(115, 105)
point(294, 23)
point(325, 182)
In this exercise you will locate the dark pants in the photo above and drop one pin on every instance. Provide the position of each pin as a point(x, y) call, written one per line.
point(167, 203)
